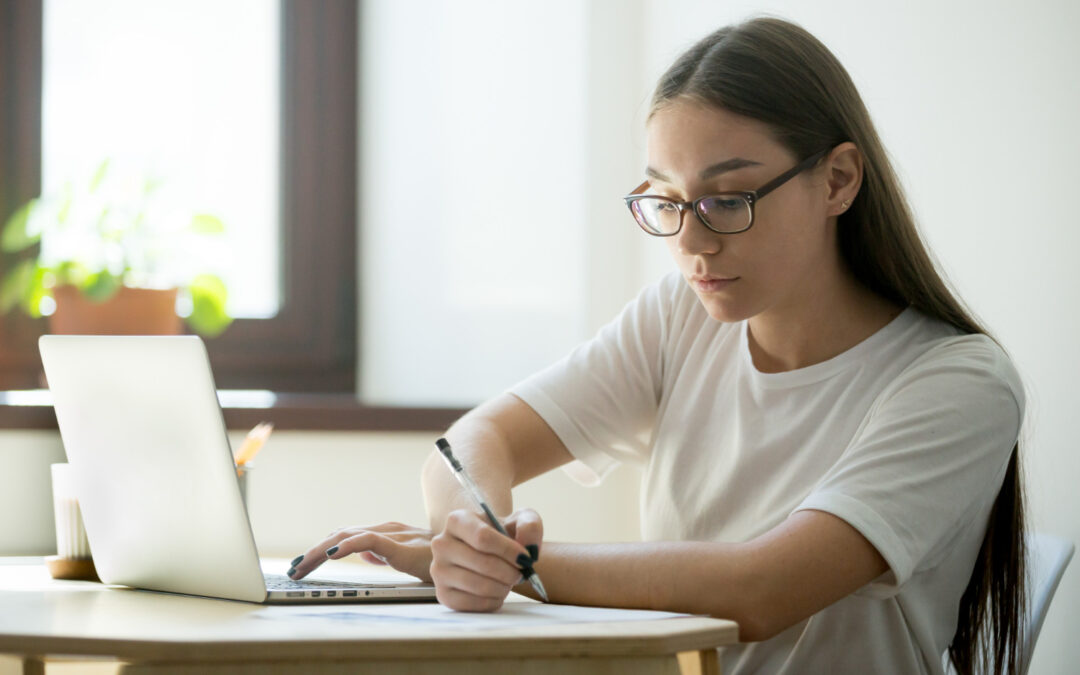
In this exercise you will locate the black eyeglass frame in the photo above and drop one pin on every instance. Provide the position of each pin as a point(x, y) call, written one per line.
point(751, 197)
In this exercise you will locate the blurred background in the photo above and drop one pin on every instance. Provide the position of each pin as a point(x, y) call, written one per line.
point(421, 203)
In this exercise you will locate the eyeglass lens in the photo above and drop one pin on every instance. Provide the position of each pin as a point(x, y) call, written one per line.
point(723, 213)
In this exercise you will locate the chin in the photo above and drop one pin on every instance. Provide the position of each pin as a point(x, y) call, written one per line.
point(723, 311)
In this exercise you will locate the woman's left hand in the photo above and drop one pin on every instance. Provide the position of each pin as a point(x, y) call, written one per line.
point(407, 549)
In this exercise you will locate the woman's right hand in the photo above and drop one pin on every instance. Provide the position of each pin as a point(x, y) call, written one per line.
point(474, 567)
point(405, 548)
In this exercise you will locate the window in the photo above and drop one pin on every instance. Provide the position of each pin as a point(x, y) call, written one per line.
point(309, 343)
point(164, 93)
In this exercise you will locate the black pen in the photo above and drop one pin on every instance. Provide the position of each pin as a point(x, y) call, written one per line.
point(470, 487)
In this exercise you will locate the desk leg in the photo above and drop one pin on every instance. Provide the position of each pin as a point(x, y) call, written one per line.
point(58, 665)
point(703, 662)
point(32, 665)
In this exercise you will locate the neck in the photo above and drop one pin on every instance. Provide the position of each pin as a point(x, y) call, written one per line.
point(825, 320)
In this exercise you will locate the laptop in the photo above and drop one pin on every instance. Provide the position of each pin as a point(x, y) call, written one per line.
point(141, 423)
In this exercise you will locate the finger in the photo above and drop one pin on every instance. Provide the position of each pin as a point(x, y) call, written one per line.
point(477, 532)
point(469, 581)
point(368, 542)
point(464, 602)
point(528, 530)
point(449, 551)
point(311, 559)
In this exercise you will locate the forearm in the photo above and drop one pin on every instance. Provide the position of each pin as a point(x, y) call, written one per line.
point(693, 577)
point(767, 584)
point(480, 446)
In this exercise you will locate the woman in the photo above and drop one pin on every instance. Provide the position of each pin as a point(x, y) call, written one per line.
point(829, 440)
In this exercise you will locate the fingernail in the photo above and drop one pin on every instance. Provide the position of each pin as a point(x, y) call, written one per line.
point(296, 561)
point(291, 572)
point(331, 551)
point(524, 561)
point(534, 551)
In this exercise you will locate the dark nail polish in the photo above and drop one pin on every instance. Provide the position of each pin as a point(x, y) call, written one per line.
point(296, 561)
point(331, 551)
point(524, 562)
point(291, 572)
point(534, 551)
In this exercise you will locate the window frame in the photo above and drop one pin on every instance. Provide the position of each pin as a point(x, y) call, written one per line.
point(311, 345)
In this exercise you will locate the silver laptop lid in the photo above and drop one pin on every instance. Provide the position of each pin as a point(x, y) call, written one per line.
point(143, 429)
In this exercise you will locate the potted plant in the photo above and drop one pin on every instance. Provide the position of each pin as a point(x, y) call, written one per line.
point(117, 255)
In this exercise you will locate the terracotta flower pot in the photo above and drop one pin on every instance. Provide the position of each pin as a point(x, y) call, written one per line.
point(132, 311)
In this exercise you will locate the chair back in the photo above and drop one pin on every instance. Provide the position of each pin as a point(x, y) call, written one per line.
point(1048, 556)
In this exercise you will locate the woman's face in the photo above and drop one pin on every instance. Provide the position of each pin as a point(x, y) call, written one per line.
point(773, 265)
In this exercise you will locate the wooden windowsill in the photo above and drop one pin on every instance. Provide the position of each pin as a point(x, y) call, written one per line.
point(33, 409)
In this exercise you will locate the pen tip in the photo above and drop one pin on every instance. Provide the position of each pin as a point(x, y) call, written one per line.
point(442, 444)
point(539, 587)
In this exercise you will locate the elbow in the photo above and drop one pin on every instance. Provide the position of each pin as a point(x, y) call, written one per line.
point(760, 610)
point(758, 626)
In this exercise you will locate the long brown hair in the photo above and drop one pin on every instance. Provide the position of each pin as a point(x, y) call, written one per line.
point(776, 72)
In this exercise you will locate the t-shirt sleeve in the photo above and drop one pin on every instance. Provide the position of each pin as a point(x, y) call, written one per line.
point(930, 457)
point(602, 399)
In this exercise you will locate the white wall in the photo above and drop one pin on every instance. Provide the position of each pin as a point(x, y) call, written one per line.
point(980, 108)
point(493, 154)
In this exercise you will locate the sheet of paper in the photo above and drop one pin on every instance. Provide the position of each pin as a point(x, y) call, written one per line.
point(512, 615)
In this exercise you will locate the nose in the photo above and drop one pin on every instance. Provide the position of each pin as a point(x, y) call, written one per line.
point(694, 238)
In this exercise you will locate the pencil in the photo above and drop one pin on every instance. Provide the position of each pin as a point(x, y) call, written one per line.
point(253, 442)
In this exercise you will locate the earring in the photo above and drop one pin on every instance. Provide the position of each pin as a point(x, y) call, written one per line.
point(846, 203)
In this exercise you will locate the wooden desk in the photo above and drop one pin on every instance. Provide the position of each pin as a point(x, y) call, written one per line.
point(161, 633)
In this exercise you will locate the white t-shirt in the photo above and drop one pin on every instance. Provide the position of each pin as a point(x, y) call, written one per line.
point(905, 436)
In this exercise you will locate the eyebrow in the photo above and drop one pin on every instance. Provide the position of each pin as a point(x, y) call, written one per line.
point(714, 170)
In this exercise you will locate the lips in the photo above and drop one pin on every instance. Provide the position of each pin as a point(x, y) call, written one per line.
point(707, 283)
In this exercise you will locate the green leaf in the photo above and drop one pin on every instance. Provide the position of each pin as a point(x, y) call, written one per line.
point(16, 284)
point(72, 272)
point(204, 223)
point(36, 292)
point(208, 296)
point(99, 175)
point(15, 237)
point(101, 286)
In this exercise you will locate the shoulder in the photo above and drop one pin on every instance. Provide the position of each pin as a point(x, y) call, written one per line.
point(954, 370)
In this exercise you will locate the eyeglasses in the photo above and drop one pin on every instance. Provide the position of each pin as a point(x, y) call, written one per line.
point(723, 213)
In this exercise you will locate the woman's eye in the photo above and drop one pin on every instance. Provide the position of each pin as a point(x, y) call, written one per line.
point(727, 203)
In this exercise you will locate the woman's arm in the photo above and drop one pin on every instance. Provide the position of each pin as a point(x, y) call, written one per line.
point(803, 565)
point(808, 562)
point(766, 585)
point(502, 443)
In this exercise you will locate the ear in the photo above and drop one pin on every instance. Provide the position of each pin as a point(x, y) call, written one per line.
point(844, 172)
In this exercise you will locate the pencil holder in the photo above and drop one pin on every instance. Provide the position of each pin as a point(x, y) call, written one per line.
point(72, 559)
point(243, 471)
